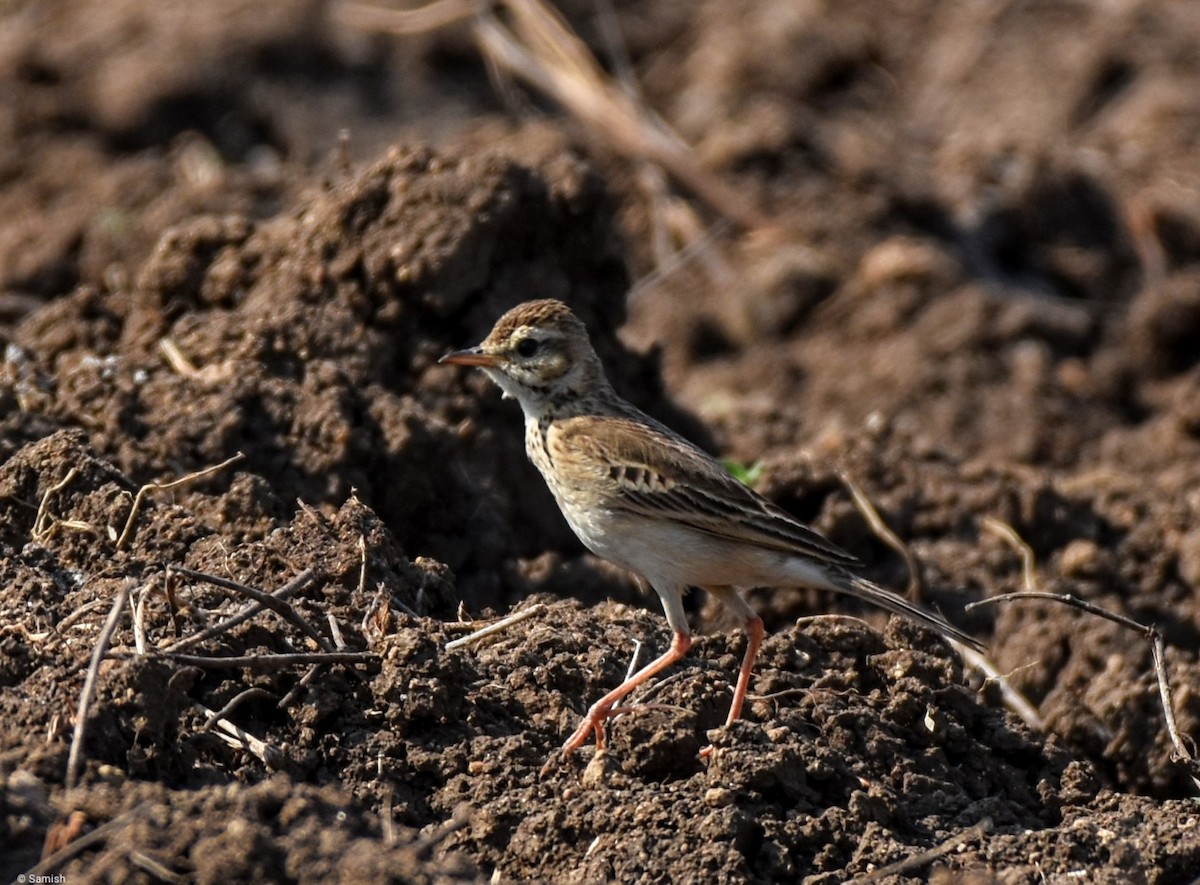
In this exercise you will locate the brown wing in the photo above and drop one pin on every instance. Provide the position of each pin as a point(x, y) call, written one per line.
point(649, 470)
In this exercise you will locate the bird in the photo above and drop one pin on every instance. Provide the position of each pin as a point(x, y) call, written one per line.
point(640, 495)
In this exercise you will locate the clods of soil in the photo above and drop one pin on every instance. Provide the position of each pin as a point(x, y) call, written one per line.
point(976, 303)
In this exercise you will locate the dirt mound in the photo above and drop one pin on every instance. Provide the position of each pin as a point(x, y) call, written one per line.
point(220, 380)
point(278, 830)
point(903, 744)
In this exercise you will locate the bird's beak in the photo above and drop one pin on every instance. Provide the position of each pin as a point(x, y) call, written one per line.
point(472, 356)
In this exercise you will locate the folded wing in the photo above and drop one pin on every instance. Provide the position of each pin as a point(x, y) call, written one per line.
point(654, 472)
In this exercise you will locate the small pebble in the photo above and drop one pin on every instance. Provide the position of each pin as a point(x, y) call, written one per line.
point(1078, 557)
point(596, 772)
point(778, 734)
point(718, 797)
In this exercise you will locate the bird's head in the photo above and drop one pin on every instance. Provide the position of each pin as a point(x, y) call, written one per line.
point(539, 354)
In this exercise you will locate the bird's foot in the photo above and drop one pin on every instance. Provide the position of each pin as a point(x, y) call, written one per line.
point(593, 723)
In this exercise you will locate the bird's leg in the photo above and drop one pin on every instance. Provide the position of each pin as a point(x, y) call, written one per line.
point(731, 598)
point(602, 709)
point(754, 638)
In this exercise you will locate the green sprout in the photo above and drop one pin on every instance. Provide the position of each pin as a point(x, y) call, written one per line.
point(746, 474)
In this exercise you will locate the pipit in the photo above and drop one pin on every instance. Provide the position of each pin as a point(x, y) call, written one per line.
point(639, 495)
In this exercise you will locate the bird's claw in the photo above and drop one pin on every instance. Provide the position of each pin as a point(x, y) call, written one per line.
point(593, 722)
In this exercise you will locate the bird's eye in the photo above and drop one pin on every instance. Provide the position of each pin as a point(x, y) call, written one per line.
point(527, 346)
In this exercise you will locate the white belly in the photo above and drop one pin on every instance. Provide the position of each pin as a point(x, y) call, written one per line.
point(669, 554)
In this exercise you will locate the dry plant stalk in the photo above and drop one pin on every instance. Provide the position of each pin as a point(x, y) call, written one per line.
point(497, 627)
point(295, 585)
point(917, 861)
point(156, 868)
point(1183, 755)
point(44, 518)
point(266, 600)
point(163, 486)
point(536, 45)
point(88, 693)
point(916, 586)
point(1009, 535)
point(240, 739)
point(175, 359)
point(256, 662)
point(301, 684)
point(633, 659)
point(1013, 699)
point(233, 704)
point(77, 614)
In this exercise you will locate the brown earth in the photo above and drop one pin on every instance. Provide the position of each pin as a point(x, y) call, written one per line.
point(980, 298)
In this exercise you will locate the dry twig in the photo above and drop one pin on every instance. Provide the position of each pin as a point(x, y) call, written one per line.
point(240, 739)
point(302, 683)
point(362, 567)
point(156, 868)
point(139, 616)
point(1183, 754)
point(233, 704)
point(44, 518)
point(498, 626)
point(255, 662)
point(387, 824)
point(336, 631)
point(633, 659)
point(669, 262)
point(61, 626)
point(266, 600)
point(162, 487)
point(315, 670)
point(407, 22)
point(538, 46)
point(75, 757)
point(77, 846)
point(916, 586)
point(292, 587)
point(917, 861)
point(1013, 699)
point(175, 358)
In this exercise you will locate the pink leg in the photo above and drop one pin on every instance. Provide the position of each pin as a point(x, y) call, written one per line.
point(602, 709)
point(754, 638)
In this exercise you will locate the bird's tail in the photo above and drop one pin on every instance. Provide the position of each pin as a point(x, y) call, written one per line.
point(853, 585)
